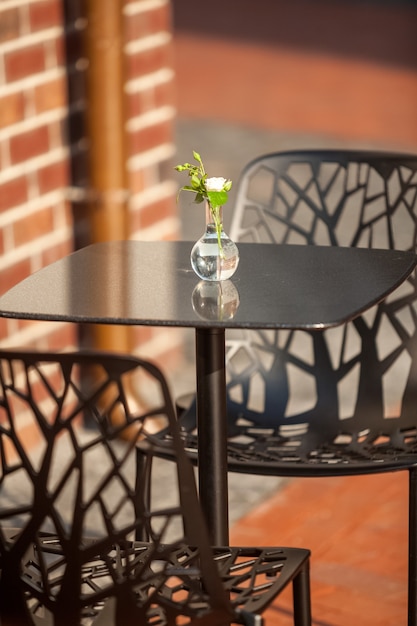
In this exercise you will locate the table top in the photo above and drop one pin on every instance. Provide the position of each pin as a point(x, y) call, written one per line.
point(152, 283)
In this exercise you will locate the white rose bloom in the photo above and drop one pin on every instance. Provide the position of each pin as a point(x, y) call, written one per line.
point(215, 183)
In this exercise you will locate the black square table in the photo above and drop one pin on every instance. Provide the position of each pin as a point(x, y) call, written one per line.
point(152, 283)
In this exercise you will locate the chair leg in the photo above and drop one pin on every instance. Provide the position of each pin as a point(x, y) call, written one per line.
point(143, 490)
point(412, 548)
point(302, 597)
point(251, 619)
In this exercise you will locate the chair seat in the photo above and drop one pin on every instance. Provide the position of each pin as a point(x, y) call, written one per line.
point(255, 449)
point(135, 586)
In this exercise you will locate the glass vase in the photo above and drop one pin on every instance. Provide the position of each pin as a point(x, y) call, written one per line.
point(214, 256)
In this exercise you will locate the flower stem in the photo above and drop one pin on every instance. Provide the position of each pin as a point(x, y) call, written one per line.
point(215, 212)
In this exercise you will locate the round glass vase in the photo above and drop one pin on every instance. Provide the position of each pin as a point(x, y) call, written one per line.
point(209, 260)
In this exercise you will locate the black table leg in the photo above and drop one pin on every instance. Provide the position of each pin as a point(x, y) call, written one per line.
point(212, 431)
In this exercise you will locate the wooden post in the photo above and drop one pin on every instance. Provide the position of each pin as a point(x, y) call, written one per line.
point(105, 125)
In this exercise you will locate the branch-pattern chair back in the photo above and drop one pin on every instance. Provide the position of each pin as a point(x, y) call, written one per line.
point(70, 506)
point(355, 378)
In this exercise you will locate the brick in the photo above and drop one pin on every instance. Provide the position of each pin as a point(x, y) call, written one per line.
point(150, 137)
point(3, 327)
point(24, 62)
point(12, 109)
point(28, 432)
point(152, 213)
point(165, 93)
point(59, 51)
point(168, 358)
point(142, 334)
point(58, 251)
point(31, 227)
point(13, 193)
point(50, 95)
point(63, 336)
point(67, 218)
point(54, 176)
point(25, 324)
point(9, 24)
point(148, 23)
point(137, 181)
point(149, 61)
point(153, 98)
point(4, 155)
point(13, 274)
point(140, 102)
point(45, 14)
point(29, 144)
point(58, 133)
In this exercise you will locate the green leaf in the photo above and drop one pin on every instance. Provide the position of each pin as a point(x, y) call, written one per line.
point(199, 198)
point(195, 181)
point(217, 198)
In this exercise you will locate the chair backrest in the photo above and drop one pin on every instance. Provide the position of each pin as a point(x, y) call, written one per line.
point(333, 197)
point(70, 504)
point(366, 371)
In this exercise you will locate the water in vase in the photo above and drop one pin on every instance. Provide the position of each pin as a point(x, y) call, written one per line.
point(209, 261)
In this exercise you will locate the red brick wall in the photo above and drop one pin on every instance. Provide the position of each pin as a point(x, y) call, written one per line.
point(43, 148)
point(35, 217)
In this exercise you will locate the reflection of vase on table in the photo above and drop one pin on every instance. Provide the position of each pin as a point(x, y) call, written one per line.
point(215, 301)
point(215, 256)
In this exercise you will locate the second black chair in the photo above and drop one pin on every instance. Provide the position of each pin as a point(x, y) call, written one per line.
point(343, 401)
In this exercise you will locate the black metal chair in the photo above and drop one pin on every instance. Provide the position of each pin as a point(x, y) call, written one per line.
point(71, 506)
point(344, 401)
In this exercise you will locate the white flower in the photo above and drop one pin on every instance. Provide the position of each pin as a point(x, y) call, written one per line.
point(215, 183)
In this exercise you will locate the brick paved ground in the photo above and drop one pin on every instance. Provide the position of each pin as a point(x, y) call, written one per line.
point(356, 528)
